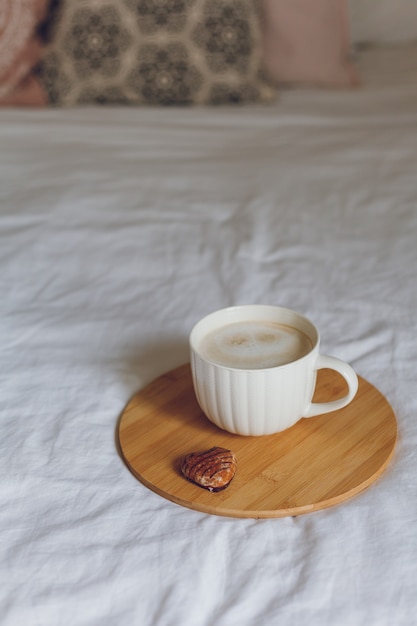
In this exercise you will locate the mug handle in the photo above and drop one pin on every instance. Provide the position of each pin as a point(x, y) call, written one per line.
point(345, 370)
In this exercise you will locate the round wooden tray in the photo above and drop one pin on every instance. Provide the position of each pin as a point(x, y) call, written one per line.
point(317, 463)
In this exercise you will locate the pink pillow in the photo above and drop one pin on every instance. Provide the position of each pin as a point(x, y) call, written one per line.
point(20, 51)
point(307, 42)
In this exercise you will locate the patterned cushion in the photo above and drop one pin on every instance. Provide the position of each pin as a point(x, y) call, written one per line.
point(155, 52)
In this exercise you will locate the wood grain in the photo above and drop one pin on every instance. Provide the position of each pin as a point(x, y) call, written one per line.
point(317, 463)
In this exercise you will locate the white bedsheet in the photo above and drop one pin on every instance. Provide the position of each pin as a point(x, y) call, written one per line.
point(119, 229)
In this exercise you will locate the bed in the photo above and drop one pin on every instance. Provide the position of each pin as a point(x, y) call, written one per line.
point(119, 229)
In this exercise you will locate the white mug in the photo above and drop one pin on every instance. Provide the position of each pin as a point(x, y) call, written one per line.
point(258, 399)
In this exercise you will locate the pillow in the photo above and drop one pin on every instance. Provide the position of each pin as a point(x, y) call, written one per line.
point(383, 21)
point(307, 42)
point(20, 51)
point(155, 52)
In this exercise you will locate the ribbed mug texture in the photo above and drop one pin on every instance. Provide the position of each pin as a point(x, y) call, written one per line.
point(254, 402)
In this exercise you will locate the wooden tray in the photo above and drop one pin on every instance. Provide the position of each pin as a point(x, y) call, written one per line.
point(317, 463)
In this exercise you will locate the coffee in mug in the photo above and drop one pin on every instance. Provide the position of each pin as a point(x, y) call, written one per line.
point(255, 344)
point(254, 369)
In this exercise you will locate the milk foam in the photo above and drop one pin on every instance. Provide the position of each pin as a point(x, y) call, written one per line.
point(254, 345)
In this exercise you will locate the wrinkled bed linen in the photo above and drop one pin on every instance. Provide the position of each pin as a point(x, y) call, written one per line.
point(119, 229)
